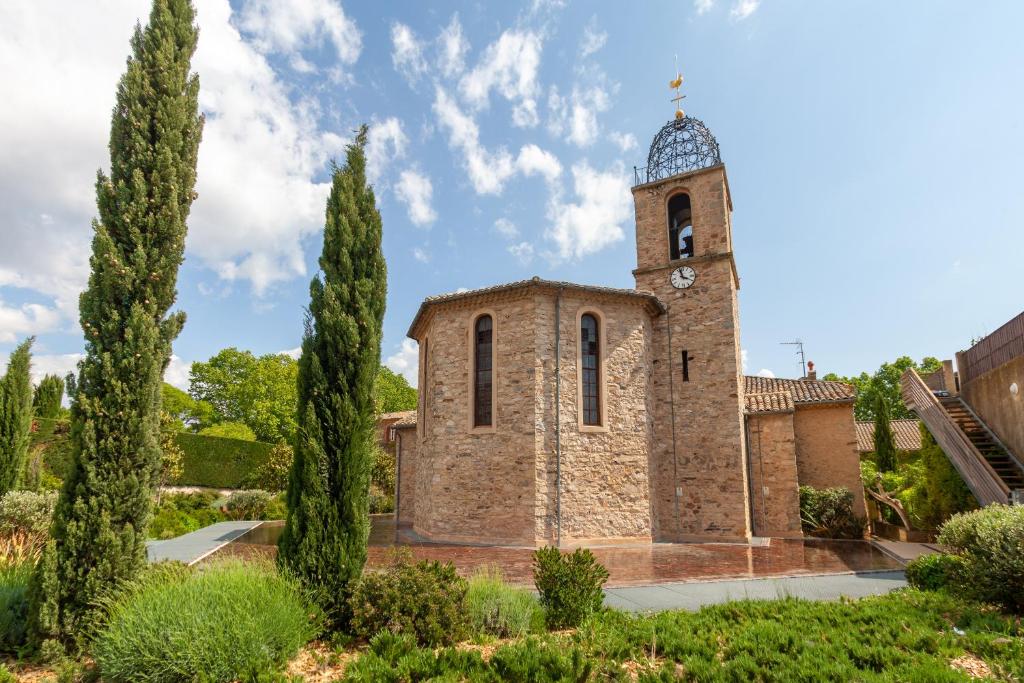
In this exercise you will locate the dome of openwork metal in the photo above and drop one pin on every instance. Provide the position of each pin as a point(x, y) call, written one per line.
point(683, 144)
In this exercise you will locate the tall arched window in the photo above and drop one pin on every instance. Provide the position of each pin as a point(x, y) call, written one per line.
point(590, 370)
point(483, 364)
point(680, 227)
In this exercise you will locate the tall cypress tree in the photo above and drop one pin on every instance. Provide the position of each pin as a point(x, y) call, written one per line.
point(99, 527)
point(15, 415)
point(325, 536)
point(885, 442)
point(48, 395)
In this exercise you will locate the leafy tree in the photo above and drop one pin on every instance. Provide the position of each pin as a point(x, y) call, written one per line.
point(393, 392)
point(185, 409)
point(172, 464)
point(325, 535)
point(885, 442)
point(15, 415)
point(99, 526)
point(47, 397)
point(229, 430)
point(257, 391)
point(885, 381)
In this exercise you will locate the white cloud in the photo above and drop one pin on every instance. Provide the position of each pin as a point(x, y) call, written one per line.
point(416, 190)
point(487, 171)
point(453, 46)
point(288, 28)
point(593, 39)
point(743, 9)
point(17, 322)
point(523, 252)
point(385, 141)
point(532, 159)
point(506, 228)
point(407, 53)
point(576, 114)
point(509, 66)
point(406, 361)
point(260, 150)
point(764, 372)
point(292, 353)
point(624, 141)
point(743, 359)
point(43, 364)
point(177, 372)
point(594, 221)
point(703, 6)
point(421, 255)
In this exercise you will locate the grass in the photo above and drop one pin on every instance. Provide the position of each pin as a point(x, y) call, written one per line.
point(230, 621)
point(909, 635)
point(18, 555)
point(500, 610)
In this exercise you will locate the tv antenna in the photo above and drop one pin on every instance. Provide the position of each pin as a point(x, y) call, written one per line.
point(800, 352)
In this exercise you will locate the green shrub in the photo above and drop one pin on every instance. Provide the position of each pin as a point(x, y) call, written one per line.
point(231, 621)
point(425, 600)
point(990, 543)
point(381, 502)
point(248, 504)
point(6, 676)
point(829, 513)
point(934, 572)
point(569, 585)
point(272, 474)
point(218, 462)
point(47, 397)
point(26, 512)
point(19, 553)
point(230, 430)
point(181, 513)
point(501, 610)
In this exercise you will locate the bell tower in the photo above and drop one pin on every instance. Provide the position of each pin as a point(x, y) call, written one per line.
point(684, 256)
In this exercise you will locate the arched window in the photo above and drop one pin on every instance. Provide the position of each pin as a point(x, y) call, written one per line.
point(483, 364)
point(680, 227)
point(590, 370)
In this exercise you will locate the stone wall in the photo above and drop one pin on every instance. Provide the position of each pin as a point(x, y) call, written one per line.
point(700, 470)
point(406, 446)
point(989, 396)
point(826, 449)
point(605, 490)
point(477, 485)
point(774, 481)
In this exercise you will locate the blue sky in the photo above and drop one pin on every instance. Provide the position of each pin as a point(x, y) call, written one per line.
point(872, 149)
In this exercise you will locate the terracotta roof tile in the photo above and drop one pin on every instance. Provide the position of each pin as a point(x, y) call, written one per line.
point(906, 432)
point(803, 390)
point(774, 402)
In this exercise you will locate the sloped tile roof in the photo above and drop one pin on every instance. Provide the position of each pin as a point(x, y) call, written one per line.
point(774, 402)
point(647, 298)
point(907, 434)
point(803, 390)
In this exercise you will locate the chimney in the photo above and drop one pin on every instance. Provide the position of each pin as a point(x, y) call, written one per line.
point(811, 374)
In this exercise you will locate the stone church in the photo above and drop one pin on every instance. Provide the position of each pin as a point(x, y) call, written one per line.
point(569, 414)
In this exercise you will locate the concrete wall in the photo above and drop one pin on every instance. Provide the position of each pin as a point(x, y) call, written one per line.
point(774, 482)
point(826, 449)
point(989, 396)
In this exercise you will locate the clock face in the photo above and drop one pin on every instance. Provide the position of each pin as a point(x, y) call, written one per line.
point(683, 277)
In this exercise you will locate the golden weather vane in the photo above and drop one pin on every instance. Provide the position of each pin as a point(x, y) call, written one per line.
point(675, 85)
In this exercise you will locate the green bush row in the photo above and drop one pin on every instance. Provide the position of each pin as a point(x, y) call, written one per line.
point(218, 462)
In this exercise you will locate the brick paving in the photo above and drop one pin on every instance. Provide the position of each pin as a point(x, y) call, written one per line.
point(638, 565)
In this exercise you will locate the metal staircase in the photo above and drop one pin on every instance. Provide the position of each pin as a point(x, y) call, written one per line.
point(990, 471)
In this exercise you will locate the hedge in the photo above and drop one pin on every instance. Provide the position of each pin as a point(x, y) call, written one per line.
point(219, 462)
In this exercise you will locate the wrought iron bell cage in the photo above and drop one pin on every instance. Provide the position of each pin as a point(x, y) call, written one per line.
point(681, 145)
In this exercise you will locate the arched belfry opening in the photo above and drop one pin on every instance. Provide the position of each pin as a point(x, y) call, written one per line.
point(680, 227)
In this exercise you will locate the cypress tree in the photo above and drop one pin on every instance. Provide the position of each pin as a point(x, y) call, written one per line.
point(326, 533)
point(49, 392)
point(885, 442)
point(99, 528)
point(15, 415)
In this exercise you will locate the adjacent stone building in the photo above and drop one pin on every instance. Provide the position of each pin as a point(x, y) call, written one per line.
point(558, 413)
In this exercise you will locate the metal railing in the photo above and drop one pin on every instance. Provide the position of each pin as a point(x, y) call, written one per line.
point(981, 479)
point(1000, 347)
